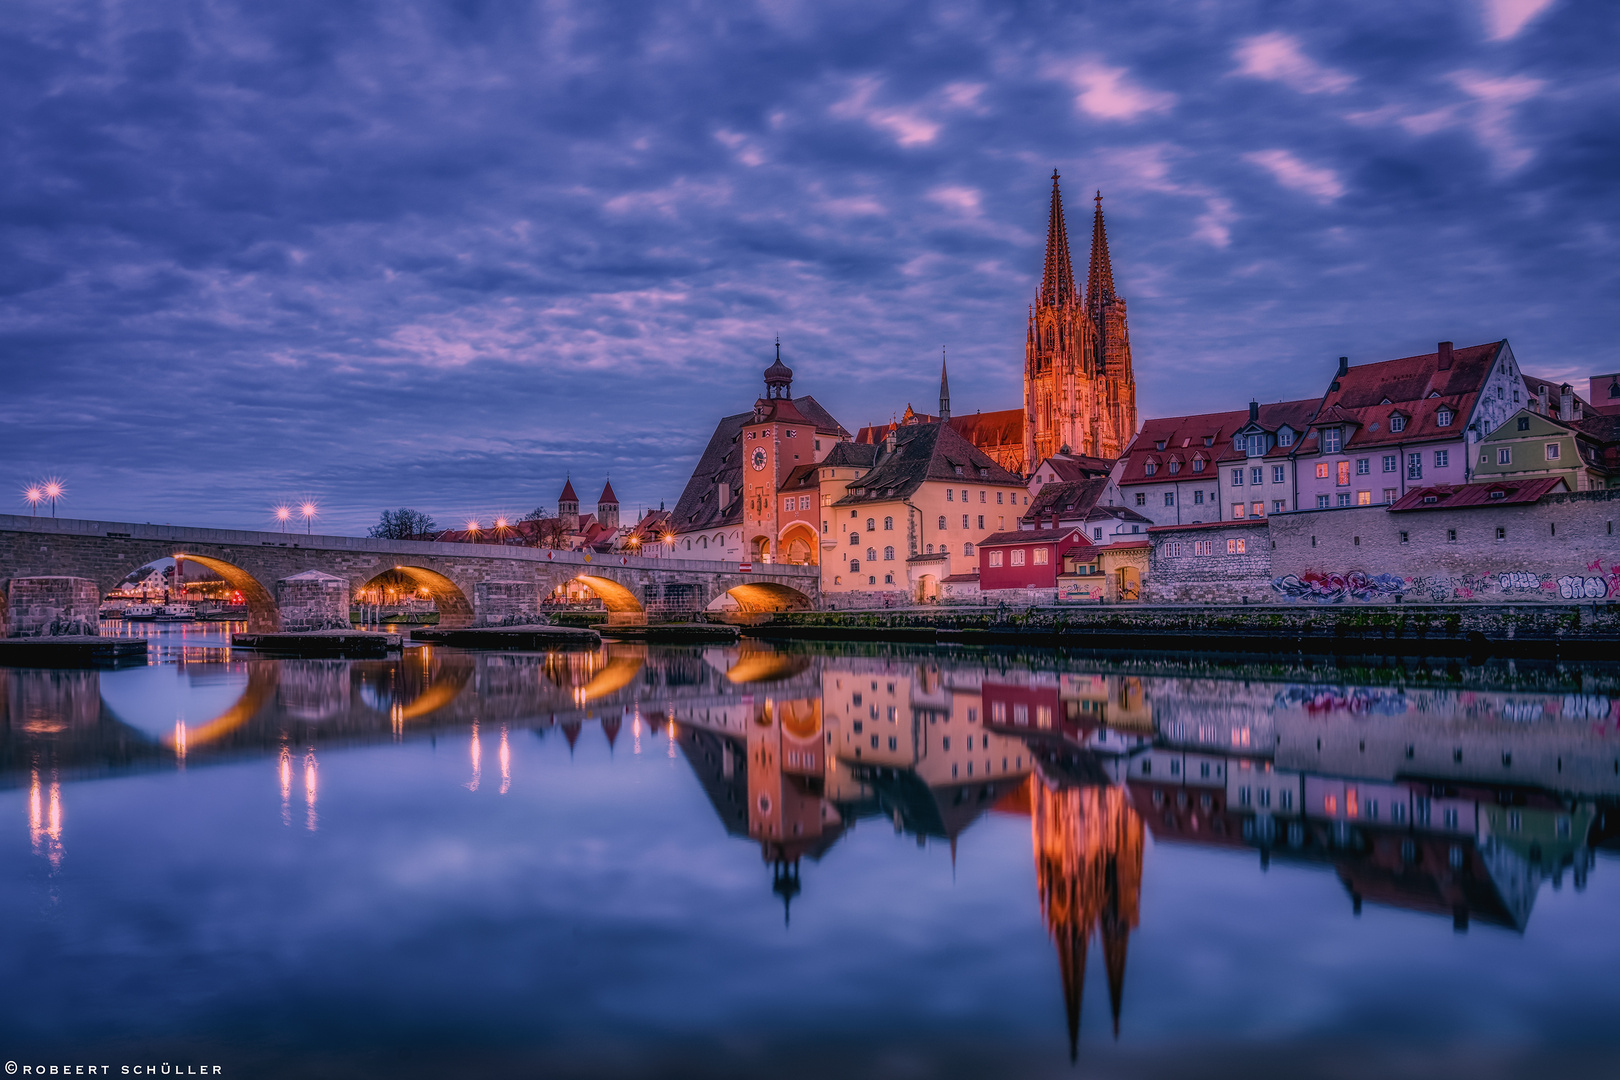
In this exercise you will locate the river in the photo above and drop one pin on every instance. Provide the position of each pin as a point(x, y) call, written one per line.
point(801, 860)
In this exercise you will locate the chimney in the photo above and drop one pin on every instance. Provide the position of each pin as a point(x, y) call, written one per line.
point(1254, 412)
point(889, 441)
point(1543, 400)
point(1445, 356)
point(1344, 367)
point(1566, 403)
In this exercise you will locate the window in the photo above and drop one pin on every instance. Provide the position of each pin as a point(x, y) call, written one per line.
point(1363, 466)
point(1442, 458)
point(1173, 549)
point(1504, 455)
point(1397, 422)
point(942, 522)
point(950, 494)
point(1552, 451)
point(1039, 556)
point(1255, 445)
point(1330, 441)
point(998, 498)
point(1141, 498)
point(1257, 509)
point(1018, 557)
point(1203, 547)
point(1285, 437)
point(1257, 475)
point(888, 579)
point(1236, 547)
point(1169, 498)
point(1096, 534)
point(1322, 502)
point(1451, 536)
point(1198, 498)
point(888, 523)
point(1363, 498)
point(1343, 479)
point(870, 525)
point(967, 549)
point(888, 554)
point(1414, 466)
point(1443, 417)
point(871, 555)
point(1175, 467)
point(1237, 477)
point(854, 566)
point(804, 502)
point(1150, 468)
point(964, 495)
point(1237, 510)
point(1389, 495)
point(1322, 470)
point(787, 505)
point(981, 522)
point(1279, 506)
point(981, 495)
point(1278, 475)
point(1198, 464)
point(1344, 498)
point(1391, 463)
point(964, 521)
point(1501, 533)
point(995, 558)
point(854, 538)
point(1524, 423)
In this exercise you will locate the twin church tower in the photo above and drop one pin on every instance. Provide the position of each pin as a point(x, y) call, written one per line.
point(1079, 389)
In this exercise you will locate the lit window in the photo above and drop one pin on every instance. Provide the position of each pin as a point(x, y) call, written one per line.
point(1363, 498)
point(1038, 557)
point(1257, 509)
point(1343, 479)
point(1322, 472)
point(1279, 506)
point(1018, 557)
point(995, 558)
point(1236, 547)
point(1237, 510)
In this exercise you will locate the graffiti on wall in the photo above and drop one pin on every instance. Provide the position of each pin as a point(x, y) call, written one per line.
point(1334, 588)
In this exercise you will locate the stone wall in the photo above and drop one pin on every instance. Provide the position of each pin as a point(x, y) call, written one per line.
point(1235, 567)
point(52, 607)
point(507, 603)
point(313, 601)
point(1562, 549)
point(672, 602)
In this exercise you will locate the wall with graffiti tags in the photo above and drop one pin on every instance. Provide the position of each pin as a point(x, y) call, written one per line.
point(1563, 549)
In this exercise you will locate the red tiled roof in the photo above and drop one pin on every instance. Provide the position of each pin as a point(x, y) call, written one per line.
point(1070, 468)
point(607, 495)
point(1462, 496)
point(1033, 536)
point(568, 492)
point(1415, 387)
point(1184, 438)
point(958, 579)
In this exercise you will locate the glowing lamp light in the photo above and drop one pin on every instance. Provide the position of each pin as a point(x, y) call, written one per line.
point(283, 515)
point(34, 494)
point(308, 510)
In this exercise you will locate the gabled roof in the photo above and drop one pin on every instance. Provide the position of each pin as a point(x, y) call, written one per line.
point(1001, 428)
point(1184, 438)
point(1071, 467)
point(847, 455)
point(1036, 536)
point(607, 495)
point(1415, 387)
point(1470, 496)
point(801, 478)
point(924, 452)
point(1068, 501)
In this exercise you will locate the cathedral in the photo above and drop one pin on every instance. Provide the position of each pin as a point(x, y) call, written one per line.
point(1079, 390)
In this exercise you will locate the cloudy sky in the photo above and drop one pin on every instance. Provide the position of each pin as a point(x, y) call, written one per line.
point(443, 254)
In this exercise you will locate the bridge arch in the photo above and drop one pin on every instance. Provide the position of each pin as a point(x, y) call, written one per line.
point(455, 610)
point(264, 617)
point(761, 596)
point(799, 545)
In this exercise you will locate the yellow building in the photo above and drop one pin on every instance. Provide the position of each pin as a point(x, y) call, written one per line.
point(900, 516)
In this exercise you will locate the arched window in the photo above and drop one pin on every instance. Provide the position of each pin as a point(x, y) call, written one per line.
point(854, 566)
point(870, 525)
point(888, 523)
point(689, 545)
point(703, 541)
point(930, 549)
point(942, 521)
point(871, 579)
point(888, 554)
point(888, 579)
point(967, 549)
point(871, 556)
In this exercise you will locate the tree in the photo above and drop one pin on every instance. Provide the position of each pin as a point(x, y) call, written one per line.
point(402, 524)
point(539, 513)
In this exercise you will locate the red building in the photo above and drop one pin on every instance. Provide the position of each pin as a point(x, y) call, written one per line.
point(1027, 559)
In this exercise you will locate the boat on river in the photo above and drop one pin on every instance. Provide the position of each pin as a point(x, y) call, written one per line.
point(177, 613)
point(141, 613)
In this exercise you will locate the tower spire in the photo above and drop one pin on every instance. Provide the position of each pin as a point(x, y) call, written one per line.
point(944, 390)
point(1100, 279)
point(1057, 281)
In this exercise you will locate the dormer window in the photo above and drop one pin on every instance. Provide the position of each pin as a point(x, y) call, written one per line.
point(1175, 467)
point(1159, 445)
point(959, 470)
point(1198, 464)
point(1331, 438)
point(1431, 498)
point(1443, 417)
point(1285, 437)
point(1256, 445)
point(1397, 422)
point(1498, 494)
point(1209, 440)
point(1150, 468)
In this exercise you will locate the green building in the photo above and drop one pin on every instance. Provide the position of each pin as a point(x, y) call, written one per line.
point(1581, 450)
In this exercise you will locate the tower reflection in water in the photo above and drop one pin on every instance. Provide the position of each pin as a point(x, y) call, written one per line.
point(1459, 803)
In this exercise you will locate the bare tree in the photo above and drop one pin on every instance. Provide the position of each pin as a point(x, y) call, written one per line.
point(402, 524)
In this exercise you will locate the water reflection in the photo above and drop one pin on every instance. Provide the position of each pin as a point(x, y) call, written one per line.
point(1444, 793)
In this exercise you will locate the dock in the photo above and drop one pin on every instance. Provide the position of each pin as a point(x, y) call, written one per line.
point(674, 633)
point(356, 644)
point(72, 652)
point(528, 638)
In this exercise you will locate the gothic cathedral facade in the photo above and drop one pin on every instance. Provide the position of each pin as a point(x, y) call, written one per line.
point(1079, 389)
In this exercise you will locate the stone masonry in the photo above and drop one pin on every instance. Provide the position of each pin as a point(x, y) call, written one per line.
point(1226, 562)
point(507, 603)
point(313, 601)
point(51, 607)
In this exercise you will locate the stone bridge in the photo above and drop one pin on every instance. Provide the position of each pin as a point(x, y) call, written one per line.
point(472, 584)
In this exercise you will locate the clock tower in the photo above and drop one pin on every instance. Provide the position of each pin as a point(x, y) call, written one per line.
point(775, 439)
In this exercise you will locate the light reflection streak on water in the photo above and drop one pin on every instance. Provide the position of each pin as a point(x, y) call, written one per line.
point(477, 751)
point(284, 768)
point(180, 742)
point(635, 727)
point(45, 818)
point(310, 819)
point(506, 762)
point(672, 739)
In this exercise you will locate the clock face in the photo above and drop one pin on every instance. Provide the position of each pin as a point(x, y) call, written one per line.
point(759, 458)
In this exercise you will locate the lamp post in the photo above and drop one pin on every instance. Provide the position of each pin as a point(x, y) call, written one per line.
point(283, 513)
point(35, 494)
point(52, 489)
point(472, 530)
point(308, 509)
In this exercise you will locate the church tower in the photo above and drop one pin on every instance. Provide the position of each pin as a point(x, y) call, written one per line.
point(1079, 389)
point(568, 507)
point(607, 506)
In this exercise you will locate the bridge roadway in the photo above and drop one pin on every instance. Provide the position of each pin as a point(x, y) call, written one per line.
point(470, 583)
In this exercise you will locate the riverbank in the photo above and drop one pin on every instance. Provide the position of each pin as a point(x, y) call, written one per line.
point(1545, 631)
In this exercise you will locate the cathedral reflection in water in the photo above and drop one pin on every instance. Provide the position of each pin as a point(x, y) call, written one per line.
point(1453, 792)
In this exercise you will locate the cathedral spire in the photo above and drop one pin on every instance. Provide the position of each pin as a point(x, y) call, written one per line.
point(944, 391)
point(1057, 282)
point(1100, 281)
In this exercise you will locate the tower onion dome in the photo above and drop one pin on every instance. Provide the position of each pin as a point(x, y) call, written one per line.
point(778, 377)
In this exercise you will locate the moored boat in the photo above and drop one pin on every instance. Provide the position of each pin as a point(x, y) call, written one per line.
point(141, 613)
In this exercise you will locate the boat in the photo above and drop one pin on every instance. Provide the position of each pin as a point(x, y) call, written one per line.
point(176, 613)
point(141, 613)
point(111, 610)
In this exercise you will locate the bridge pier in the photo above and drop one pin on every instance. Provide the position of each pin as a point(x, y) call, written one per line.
point(50, 607)
point(506, 603)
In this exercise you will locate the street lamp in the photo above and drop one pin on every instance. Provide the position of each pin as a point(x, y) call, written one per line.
point(52, 489)
point(283, 513)
point(472, 530)
point(35, 494)
point(308, 510)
